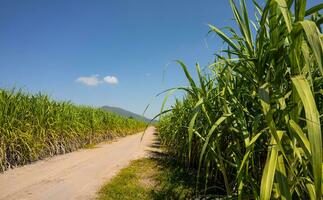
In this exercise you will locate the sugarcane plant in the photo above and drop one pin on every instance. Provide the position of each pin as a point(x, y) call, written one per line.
point(33, 127)
point(251, 125)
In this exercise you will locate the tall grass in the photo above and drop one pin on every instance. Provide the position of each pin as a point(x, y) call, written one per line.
point(252, 127)
point(33, 127)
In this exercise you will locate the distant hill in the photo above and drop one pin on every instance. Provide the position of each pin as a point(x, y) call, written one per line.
point(125, 113)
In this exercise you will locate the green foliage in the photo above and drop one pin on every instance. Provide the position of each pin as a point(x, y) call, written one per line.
point(33, 127)
point(252, 125)
point(149, 178)
point(126, 185)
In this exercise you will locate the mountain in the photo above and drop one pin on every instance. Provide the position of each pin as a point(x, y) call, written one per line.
point(125, 113)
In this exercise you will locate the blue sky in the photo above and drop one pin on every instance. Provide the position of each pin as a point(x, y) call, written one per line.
point(120, 48)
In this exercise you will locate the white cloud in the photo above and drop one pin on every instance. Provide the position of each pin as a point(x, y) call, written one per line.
point(111, 80)
point(95, 80)
point(90, 80)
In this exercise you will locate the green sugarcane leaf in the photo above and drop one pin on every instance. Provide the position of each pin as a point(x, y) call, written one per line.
point(314, 40)
point(314, 130)
point(268, 175)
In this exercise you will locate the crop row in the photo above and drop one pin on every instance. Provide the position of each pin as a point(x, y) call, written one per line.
point(33, 127)
point(251, 125)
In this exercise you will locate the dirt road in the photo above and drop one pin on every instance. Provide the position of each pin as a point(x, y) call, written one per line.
point(77, 175)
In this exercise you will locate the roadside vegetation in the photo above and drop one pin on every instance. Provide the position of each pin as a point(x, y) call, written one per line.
point(251, 125)
point(157, 178)
point(34, 127)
